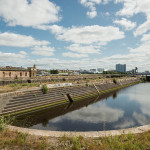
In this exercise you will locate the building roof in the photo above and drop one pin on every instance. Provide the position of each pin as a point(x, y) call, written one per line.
point(10, 68)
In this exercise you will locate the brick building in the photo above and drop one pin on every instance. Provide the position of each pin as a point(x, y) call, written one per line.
point(17, 72)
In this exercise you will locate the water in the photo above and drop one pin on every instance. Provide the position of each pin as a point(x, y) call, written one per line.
point(126, 108)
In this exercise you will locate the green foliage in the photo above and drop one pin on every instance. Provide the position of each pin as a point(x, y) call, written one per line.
point(4, 121)
point(143, 78)
point(86, 84)
point(24, 84)
point(113, 72)
point(77, 142)
point(54, 71)
point(44, 89)
point(13, 85)
point(115, 80)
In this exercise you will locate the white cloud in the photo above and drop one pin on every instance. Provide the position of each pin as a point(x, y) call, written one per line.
point(92, 114)
point(146, 38)
point(106, 1)
point(12, 58)
point(127, 123)
point(132, 7)
point(129, 8)
point(142, 98)
point(18, 40)
point(86, 49)
point(43, 50)
point(37, 12)
point(74, 55)
point(140, 118)
point(91, 14)
point(55, 29)
point(91, 5)
point(107, 14)
point(143, 28)
point(127, 24)
point(87, 34)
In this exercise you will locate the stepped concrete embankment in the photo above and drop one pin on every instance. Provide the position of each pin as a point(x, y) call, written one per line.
point(33, 99)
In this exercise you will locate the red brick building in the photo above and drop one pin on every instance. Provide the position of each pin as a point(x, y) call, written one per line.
point(17, 72)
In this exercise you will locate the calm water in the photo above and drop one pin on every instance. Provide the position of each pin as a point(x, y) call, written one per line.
point(126, 108)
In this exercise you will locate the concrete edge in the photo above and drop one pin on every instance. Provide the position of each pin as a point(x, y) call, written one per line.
point(90, 134)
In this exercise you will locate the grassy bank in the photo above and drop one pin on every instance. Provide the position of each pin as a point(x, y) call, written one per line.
point(15, 140)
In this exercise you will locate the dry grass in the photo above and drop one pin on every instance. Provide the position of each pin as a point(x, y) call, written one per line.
point(15, 140)
point(16, 86)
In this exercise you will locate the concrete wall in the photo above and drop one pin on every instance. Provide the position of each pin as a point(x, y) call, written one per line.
point(31, 100)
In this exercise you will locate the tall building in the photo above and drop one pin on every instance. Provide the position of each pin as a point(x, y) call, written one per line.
point(121, 67)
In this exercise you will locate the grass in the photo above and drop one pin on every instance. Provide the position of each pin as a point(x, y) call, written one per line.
point(16, 140)
point(19, 141)
point(16, 86)
point(4, 121)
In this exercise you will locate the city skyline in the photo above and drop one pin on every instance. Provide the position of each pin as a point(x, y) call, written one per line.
point(75, 34)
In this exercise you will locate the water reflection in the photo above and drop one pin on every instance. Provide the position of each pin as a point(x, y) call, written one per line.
point(130, 108)
point(92, 114)
point(115, 95)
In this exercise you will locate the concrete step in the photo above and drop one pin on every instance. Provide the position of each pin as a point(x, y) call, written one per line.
point(86, 96)
point(15, 99)
point(32, 102)
point(14, 109)
point(27, 99)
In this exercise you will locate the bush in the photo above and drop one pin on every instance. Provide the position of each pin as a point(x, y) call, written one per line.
point(115, 81)
point(44, 89)
point(86, 84)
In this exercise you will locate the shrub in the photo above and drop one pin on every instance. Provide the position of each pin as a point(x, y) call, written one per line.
point(86, 84)
point(115, 81)
point(44, 89)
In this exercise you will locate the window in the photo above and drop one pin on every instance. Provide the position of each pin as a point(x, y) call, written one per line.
point(10, 74)
point(20, 74)
point(26, 74)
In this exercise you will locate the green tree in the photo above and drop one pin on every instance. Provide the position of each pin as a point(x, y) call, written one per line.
point(54, 71)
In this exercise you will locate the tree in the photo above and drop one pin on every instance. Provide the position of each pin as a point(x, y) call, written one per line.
point(54, 71)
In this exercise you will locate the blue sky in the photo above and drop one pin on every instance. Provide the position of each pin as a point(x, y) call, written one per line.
point(75, 34)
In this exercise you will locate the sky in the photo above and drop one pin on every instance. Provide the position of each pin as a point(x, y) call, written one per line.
point(75, 34)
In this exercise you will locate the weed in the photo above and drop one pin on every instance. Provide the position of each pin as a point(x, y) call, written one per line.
point(44, 89)
point(86, 84)
point(143, 78)
point(115, 80)
point(76, 141)
point(13, 85)
point(4, 121)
